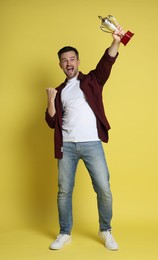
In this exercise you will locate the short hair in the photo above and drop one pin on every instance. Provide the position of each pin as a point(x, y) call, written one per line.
point(66, 49)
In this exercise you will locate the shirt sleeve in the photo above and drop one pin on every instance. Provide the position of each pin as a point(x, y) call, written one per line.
point(50, 120)
point(104, 66)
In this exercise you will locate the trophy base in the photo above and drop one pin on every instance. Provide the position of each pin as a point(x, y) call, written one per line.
point(128, 35)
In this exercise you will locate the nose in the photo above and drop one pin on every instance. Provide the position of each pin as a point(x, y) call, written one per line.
point(68, 62)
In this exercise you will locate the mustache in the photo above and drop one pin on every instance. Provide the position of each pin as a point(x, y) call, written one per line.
point(69, 67)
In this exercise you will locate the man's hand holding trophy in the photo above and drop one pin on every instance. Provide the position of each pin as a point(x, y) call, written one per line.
point(109, 24)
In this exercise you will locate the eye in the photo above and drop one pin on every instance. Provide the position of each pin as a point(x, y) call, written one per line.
point(72, 59)
point(64, 60)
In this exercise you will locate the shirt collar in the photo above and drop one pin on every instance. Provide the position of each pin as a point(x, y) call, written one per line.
point(79, 77)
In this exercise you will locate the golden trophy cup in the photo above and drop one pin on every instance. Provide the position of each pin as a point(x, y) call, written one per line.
point(109, 24)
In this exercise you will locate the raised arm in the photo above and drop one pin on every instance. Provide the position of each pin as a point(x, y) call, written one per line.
point(117, 36)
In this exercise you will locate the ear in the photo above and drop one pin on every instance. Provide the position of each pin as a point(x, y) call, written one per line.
point(60, 65)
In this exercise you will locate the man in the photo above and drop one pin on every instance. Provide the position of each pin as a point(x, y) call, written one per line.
point(75, 110)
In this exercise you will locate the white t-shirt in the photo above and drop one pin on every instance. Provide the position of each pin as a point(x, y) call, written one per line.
point(78, 121)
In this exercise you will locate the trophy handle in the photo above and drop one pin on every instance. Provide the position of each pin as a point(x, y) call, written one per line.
point(102, 28)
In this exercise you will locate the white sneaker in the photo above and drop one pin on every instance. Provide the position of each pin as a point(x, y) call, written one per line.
point(108, 239)
point(61, 240)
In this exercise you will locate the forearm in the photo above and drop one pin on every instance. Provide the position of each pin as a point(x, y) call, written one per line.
point(117, 36)
point(50, 120)
point(51, 108)
point(113, 49)
point(51, 94)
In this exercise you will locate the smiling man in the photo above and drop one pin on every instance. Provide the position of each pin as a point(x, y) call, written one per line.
point(69, 61)
point(76, 112)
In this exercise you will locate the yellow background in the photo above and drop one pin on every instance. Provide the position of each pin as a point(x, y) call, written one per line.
point(31, 33)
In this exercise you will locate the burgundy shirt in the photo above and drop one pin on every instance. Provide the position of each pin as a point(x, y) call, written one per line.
point(92, 86)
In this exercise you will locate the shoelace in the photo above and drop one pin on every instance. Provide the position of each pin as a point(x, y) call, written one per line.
point(110, 237)
point(58, 237)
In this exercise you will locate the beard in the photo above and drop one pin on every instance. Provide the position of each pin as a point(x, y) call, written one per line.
point(71, 72)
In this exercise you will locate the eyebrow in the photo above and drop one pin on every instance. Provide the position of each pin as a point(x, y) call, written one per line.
point(72, 57)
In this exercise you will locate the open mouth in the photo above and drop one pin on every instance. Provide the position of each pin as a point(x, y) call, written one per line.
point(70, 69)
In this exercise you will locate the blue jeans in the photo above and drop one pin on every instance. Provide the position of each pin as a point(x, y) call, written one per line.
point(93, 157)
